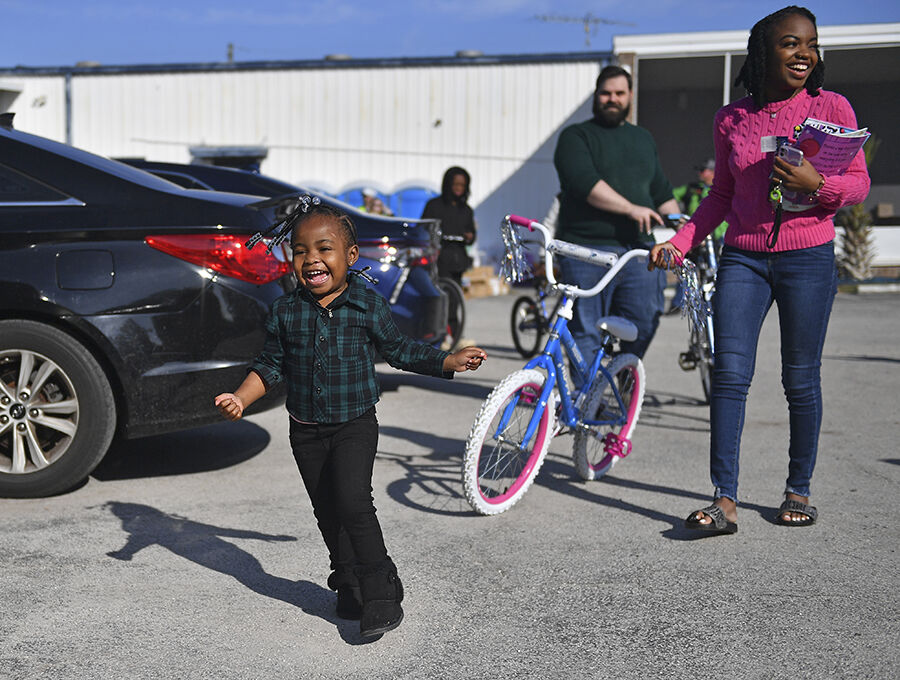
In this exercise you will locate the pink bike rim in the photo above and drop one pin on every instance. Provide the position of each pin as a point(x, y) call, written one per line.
point(525, 475)
point(632, 407)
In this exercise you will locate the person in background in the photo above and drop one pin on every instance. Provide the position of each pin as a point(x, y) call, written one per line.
point(612, 193)
point(373, 204)
point(791, 264)
point(457, 223)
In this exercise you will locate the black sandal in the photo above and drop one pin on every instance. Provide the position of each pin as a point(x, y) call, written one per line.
point(799, 507)
point(719, 524)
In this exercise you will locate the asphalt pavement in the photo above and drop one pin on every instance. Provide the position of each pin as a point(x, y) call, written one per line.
point(195, 555)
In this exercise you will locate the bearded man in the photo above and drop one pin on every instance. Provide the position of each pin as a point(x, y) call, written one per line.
point(613, 192)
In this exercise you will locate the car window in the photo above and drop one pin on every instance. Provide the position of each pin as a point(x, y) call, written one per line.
point(181, 179)
point(18, 188)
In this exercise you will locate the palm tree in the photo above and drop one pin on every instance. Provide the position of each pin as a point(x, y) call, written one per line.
point(857, 242)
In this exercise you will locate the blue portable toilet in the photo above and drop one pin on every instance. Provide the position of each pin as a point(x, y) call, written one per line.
point(410, 200)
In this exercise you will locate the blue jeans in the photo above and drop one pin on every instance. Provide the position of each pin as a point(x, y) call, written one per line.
point(635, 293)
point(802, 283)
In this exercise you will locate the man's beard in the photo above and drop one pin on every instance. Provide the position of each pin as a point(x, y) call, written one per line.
point(611, 115)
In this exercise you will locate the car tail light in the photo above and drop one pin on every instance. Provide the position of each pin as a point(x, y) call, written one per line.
point(226, 254)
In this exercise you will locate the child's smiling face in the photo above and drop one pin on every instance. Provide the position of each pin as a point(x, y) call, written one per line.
point(322, 257)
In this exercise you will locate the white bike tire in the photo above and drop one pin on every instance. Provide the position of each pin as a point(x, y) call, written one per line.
point(483, 456)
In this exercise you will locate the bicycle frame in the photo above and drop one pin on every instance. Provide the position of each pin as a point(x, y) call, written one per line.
point(560, 338)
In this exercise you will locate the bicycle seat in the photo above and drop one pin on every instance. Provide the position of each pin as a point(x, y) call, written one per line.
point(619, 326)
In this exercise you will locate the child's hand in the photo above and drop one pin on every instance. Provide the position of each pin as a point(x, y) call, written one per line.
point(230, 406)
point(466, 359)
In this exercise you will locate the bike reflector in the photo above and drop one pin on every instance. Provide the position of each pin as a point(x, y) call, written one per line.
point(225, 254)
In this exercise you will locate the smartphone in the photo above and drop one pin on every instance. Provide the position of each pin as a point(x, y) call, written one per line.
point(791, 154)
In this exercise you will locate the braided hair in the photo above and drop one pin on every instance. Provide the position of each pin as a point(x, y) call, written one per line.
point(328, 211)
point(753, 73)
point(307, 206)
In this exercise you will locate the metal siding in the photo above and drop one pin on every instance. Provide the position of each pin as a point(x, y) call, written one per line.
point(40, 106)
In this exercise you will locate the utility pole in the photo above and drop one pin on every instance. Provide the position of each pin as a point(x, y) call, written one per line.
point(588, 20)
point(230, 53)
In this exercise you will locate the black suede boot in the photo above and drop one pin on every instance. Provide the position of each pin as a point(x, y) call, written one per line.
point(382, 593)
point(349, 602)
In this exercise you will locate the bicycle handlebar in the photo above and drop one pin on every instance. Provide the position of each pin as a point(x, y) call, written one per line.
point(577, 252)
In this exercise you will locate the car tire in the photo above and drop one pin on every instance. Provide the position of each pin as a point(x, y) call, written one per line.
point(57, 410)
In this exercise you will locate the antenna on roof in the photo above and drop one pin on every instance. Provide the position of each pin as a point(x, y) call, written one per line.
point(588, 20)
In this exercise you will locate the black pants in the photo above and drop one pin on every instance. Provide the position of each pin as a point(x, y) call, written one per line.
point(336, 463)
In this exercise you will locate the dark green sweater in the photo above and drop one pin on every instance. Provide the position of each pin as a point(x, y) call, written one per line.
point(625, 158)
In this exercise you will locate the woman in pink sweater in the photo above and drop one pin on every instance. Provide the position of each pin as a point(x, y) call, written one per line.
point(792, 266)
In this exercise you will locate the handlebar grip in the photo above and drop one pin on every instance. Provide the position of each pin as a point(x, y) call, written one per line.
point(576, 252)
point(520, 221)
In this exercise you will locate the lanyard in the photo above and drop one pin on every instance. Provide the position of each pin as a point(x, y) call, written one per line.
point(776, 198)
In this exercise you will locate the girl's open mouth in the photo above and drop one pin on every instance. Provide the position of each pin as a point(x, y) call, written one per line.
point(316, 277)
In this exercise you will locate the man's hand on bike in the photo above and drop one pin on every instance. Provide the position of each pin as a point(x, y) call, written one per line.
point(645, 217)
point(664, 255)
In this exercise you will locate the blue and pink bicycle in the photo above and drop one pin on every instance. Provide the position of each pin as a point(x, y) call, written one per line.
point(597, 398)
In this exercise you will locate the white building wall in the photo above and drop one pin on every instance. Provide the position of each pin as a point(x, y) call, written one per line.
point(40, 105)
point(334, 126)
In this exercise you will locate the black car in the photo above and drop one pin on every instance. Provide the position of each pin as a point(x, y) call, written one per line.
point(401, 252)
point(126, 304)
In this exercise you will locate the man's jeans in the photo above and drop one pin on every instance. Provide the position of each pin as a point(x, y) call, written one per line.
point(635, 293)
point(802, 283)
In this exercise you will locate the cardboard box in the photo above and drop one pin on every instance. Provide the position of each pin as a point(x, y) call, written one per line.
point(483, 282)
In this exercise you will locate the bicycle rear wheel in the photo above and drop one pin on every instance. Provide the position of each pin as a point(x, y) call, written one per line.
point(598, 447)
point(701, 346)
point(456, 308)
point(527, 324)
point(498, 466)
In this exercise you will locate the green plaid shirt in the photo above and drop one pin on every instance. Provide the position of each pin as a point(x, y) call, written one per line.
point(327, 355)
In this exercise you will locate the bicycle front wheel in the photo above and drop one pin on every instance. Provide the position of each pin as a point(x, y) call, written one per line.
point(527, 326)
point(499, 466)
point(597, 448)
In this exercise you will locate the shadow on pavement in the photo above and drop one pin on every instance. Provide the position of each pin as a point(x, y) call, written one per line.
point(469, 387)
point(860, 357)
point(557, 476)
point(201, 449)
point(433, 487)
point(202, 544)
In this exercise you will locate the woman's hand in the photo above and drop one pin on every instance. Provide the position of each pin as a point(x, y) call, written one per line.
point(466, 359)
point(664, 255)
point(803, 178)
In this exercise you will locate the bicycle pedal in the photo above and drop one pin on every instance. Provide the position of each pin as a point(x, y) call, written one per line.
point(687, 361)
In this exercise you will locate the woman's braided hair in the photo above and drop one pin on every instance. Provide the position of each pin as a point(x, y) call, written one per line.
point(753, 73)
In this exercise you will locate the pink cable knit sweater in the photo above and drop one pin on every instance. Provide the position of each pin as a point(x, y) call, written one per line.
point(739, 194)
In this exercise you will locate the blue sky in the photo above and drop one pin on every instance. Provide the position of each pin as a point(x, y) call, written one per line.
point(63, 32)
